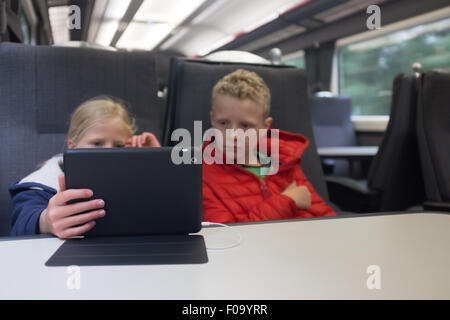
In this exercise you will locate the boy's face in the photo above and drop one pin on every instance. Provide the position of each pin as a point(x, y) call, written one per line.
point(108, 133)
point(232, 113)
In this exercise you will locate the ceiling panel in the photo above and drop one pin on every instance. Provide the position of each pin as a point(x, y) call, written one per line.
point(154, 21)
point(173, 11)
point(346, 9)
point(144, 35)
point(273, 37)
point(227, 18)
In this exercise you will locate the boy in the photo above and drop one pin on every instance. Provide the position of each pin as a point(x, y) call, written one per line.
point(242, 192)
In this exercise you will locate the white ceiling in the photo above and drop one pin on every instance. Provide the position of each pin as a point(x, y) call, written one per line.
point(193, 27)
point(225, 20)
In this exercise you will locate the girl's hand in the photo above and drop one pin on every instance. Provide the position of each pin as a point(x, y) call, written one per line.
point(300, 194)
point(145, 140)
point(63, 220)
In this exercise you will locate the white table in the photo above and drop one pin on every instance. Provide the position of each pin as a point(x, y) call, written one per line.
point(356, 152)
point(352, 154)
point(302, 259)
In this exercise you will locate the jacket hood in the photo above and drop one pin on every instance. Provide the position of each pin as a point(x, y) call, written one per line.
point(291, 146)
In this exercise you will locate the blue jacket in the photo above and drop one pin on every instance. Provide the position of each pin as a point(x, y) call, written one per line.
point(29, 200)
point(31, 196)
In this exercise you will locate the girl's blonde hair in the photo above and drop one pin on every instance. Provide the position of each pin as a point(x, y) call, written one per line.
point(96, 109)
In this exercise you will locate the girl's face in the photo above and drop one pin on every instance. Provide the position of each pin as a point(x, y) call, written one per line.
point(108, 133)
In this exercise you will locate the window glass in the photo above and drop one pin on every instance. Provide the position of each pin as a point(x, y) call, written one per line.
point(26, 29)
point(367, 68)
point(298, 62)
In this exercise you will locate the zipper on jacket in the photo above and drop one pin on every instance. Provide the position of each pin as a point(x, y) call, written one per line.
point(262, 183)
point(263, 188)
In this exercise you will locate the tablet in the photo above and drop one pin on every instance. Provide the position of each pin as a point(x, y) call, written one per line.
point(145, 193)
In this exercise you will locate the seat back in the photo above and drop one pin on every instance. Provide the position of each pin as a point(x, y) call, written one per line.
point(433, 131)
point(162, 60)
point(395, 171)
point(190, 90)
point(332, 125)
point(42, 85)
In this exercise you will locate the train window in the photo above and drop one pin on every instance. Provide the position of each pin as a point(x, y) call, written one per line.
point(58, 21)
point(296, 59)
point(367, 68)
point(26, 29)
point(28, 22)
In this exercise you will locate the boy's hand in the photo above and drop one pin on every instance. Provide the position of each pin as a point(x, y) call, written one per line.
point(60, 218)
point(145, 140)
point(300, 194)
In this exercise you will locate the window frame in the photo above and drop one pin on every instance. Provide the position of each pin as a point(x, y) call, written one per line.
point(376, 123)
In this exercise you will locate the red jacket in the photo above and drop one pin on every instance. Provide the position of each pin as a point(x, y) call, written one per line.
point(233, 194)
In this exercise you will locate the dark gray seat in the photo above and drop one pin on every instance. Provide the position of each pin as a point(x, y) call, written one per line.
point(395, 179)
point(433, 132)
point(40, 86)
point(190, 99)
point(332, 125)
point(163, 59)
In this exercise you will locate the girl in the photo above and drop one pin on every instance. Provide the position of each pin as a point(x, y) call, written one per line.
point(40, 199)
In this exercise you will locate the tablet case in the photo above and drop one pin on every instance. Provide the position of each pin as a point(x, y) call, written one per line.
point(151, 207)
point(131, 250)
point(144, 191)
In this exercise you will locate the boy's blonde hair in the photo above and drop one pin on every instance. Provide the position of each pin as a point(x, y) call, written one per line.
point(244, 84)
point(93, 110)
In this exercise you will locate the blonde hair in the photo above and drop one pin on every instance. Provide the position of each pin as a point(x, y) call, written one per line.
point(244, 84)
point(96, 109)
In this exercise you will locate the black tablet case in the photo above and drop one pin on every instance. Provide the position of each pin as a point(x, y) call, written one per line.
point(131, 250)
point(151, 207)
point(144, 191)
